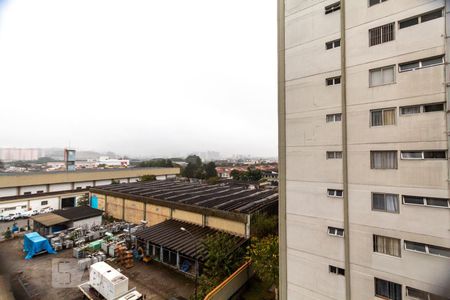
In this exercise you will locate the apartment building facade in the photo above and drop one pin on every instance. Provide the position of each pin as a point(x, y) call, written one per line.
point(364, 174)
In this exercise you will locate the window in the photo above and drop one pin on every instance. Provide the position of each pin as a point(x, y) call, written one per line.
point(27, 193)
point(332, 7)
point(422, 295)
point(40, 192)
point(428, 249)
point(422, 63)
point(44, 202)
point(383, 159)
point(381, 76)
point(335, 231)
point(23, 206)
point(334, 118)
point(387, 289)
point(422, 108)
point(385, 202)
point(333, 80)
point(386, 245)
point(9, 208)
point(381, 117)
point(78, 188)
point(335, 193)
point(334, 154)
point(336, 270)
point(420, 19)
point(381, 34)
point(424, 154)
point(374, 2)
point(333, 44)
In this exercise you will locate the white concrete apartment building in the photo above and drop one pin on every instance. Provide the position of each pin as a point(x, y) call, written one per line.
point(364, 172)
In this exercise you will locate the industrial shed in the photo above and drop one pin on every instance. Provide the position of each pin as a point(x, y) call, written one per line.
point(220, 207)
point(167, 243)
point(66, 218)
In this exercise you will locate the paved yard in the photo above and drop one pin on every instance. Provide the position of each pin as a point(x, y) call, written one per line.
point(154, 280)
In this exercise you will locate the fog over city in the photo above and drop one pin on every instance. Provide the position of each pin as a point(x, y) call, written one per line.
point(146, 78)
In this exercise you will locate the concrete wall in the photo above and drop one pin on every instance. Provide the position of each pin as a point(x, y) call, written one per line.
point(5, 192)
point(134, 211)
point(310, 250)
point(60, 187)
point(226, 225)
point(33, 189)
point(83, 184)
point(87, 222)
point(187, 216)
point(157, 214)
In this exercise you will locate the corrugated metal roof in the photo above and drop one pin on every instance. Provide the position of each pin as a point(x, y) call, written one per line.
point(169, 235)
point(78, 213)
point(229, 198)
point(49, 219)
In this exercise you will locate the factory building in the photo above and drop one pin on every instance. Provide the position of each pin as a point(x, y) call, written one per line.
point(61, 219)
point(222, 207)
point(180, 215)
point(363, 149)
point(56, 190)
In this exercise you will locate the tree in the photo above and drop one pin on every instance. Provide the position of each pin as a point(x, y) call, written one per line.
point(264, 225)
point(144, 178)
point(264, 256)
point(83, 200)
point(210, 170)
point(254, 174)
point(156, 163)
point(235, 174)
point(222, 260)
point(194, 168)
point(194, 159)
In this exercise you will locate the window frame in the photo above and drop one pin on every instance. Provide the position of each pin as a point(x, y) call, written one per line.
point(382, 116)
point(422, 108)
point(382, 28)
point(332, 7)
point(387, 281)
point(419, 18)
point(384, 199)
point(379, 2)
point(46, 202)
point(335, 154)
point(371, 159)
point(334, 78)
point(420, 62)
point(387, 237)
point(333, 44)
point(381, 69)
point(425, 201)
point(423, 155)
point(336, 270)
point(335, 191)
point(334, 118)
point(334, 231)
point(428, 294)
point(427, 249)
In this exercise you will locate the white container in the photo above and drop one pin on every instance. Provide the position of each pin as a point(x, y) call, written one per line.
point(106, 280)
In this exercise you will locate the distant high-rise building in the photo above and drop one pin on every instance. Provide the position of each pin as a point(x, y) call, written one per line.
point(363, 100)
point(14, 154)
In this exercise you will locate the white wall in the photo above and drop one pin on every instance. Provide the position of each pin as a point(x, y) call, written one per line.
point(60, 187)
point(102, 182)
point(90, 222)
point(53, 202)
point(33, 189)
point(83, 184)
point(5, 192)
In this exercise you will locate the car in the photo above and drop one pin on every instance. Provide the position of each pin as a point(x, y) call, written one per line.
point(10, 217)
point(29, 213)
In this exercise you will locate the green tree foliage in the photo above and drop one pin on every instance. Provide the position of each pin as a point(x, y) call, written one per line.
point(264, 256)
point(144, 178)
point(264, 225)
point(83, 200)
point(156, 163)
point(210, 170)
point(251, 174)
point(223, 259)
point(194, 160)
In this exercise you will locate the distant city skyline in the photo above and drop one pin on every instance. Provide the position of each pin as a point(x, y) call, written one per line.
point(128, 79)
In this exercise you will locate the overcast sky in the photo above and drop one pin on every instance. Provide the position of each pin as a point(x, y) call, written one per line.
point(139, 77)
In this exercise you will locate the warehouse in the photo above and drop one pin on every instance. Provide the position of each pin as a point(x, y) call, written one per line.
point(220, 207)
point(179, 244)
point(81, 216)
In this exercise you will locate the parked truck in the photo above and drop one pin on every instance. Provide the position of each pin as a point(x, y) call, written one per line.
point(105, 282)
